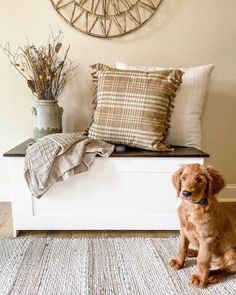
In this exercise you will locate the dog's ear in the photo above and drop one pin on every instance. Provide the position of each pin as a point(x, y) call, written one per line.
point(176, 179)
point(215, 181)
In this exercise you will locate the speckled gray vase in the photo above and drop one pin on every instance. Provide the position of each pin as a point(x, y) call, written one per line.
point(47, 118)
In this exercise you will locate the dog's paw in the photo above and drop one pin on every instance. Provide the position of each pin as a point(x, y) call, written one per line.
point(192, 253)
point(216, 275)
point(213, 279)
point(174, 263)
point(197, 281)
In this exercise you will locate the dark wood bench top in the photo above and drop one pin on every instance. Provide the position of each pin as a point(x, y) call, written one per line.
point(20, 151)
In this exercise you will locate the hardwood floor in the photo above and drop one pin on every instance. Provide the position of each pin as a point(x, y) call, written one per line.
point(6, 227)
point(5, 220)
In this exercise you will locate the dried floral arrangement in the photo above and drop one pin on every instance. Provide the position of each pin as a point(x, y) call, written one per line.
point(46, 69)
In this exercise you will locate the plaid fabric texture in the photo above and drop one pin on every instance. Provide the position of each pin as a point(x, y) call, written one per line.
point(133, 107)
point(58, 156)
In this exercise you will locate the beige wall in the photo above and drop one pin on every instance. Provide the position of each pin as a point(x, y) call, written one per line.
point(182, 33)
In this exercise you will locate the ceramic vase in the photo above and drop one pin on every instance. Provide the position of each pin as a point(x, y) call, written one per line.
point(47, 118)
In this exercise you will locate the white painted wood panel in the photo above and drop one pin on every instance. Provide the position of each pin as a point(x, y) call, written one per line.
point(123, 194)
point(139, 164)
point(116, 193)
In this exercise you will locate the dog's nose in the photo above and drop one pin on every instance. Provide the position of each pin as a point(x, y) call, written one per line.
point(186, 194)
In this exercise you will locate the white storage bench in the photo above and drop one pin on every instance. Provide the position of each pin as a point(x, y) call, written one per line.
point(131, 190)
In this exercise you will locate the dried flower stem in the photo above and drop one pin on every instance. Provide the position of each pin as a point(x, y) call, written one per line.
point(46, 71)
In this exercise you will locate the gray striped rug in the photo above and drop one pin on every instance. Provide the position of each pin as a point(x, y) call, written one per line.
point(97, 266)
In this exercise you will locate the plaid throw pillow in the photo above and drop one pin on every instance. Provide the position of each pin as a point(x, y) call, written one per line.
point(133, 107)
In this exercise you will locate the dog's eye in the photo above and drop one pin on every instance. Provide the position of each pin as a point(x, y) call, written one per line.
point(183, 178)
point(198, 179)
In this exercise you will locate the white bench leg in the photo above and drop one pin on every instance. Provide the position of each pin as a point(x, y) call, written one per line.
point(15, 233)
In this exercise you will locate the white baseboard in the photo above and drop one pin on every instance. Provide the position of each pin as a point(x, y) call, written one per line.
point(5, 195)
point(228, 194)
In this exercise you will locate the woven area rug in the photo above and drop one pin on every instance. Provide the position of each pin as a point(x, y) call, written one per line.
point(97, 266)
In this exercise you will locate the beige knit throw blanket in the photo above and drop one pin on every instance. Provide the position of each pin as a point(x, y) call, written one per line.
point(58, 156)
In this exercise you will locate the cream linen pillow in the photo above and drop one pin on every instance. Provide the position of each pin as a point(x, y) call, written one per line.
point(185, 123)
point(133, 107)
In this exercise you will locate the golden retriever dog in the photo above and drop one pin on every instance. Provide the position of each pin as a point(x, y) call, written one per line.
point(204, 224)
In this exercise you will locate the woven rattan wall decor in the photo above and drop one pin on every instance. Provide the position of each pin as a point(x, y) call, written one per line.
point(106, 18)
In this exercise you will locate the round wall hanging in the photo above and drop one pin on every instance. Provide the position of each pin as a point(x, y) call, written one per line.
point(106, 18)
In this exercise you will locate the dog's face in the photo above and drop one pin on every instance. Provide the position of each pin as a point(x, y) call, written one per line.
point(194, 182)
